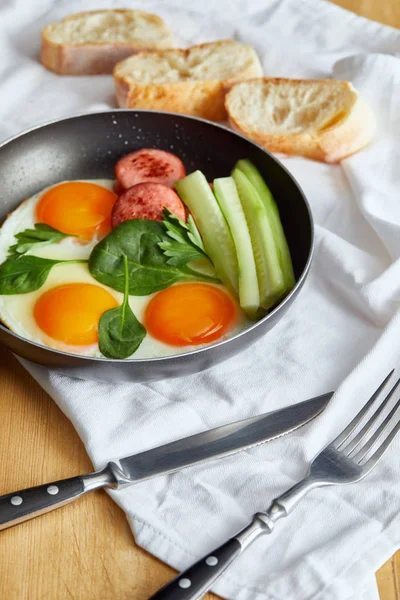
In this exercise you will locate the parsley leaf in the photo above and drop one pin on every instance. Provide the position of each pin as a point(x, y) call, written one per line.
point(42, 234)
point(185, 244)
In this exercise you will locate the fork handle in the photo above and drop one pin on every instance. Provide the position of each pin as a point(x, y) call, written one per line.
point(197, 579)
point(193, 583)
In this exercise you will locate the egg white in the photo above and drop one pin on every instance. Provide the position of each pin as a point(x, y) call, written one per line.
point(23, 218)
point(16, 311)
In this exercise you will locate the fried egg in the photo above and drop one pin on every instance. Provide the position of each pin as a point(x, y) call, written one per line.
point(64, 313)
point(79, 208)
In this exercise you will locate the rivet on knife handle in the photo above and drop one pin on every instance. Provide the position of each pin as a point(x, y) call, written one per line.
point(29, 503)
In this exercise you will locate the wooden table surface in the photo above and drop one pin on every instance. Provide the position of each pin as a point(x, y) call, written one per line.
point(85, 551)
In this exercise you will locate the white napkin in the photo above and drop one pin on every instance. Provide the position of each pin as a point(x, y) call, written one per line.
point(342, 332)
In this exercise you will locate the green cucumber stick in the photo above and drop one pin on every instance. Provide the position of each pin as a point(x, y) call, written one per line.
point(196, 193)
point(229, 202)
point(254, 176)
point(270, 277)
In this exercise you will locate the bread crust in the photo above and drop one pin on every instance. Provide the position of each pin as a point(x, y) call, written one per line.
point(349, 134)
point(95, 58)
point(205, 99)
point(199, 99)
point(91, 59)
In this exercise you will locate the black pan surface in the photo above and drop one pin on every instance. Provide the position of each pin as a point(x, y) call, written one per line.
point(87, 147)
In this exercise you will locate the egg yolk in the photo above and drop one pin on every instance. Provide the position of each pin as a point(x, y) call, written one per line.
point(70, 313)
point(190, 314)
point(77, 208)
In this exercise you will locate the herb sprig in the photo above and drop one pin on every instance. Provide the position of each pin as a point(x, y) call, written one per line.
point(41, 234)
point(184, 243)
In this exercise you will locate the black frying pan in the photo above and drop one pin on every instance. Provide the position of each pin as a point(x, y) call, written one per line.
point(87, 147)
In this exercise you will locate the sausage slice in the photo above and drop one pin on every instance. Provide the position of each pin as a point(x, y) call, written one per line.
point(149, 164)
point(146, 201)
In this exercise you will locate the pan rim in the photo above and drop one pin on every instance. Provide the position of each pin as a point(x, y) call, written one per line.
point(198, 351)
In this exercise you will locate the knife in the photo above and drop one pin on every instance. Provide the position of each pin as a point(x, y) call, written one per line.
point(118, 474)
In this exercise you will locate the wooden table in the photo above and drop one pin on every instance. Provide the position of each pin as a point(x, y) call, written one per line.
point(86, 551)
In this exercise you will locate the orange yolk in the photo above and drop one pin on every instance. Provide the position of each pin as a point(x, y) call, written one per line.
point(70, 313)
point(190, 314)
point(77, 208)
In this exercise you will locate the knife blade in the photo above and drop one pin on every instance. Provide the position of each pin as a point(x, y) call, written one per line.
point(217, 443)
point(118, 474)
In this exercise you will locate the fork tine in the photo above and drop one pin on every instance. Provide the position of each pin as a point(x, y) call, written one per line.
point(356, 441)
point(371, 462)
point(342, 437)
point(358, 456)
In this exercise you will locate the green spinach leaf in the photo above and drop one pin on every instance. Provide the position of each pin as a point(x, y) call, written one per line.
point(42, 234)
point(26, 274)
point(148, 268)
point(120, 333)
point(185, 243)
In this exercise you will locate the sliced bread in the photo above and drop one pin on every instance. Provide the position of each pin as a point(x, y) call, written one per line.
point(321, 119)
point(90, 43)
point(192, 81)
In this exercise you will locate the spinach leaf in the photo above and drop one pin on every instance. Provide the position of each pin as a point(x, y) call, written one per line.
point(42, 234)
point(120, 333)
point(148, 269)
point(185, 243)
point(26, 274)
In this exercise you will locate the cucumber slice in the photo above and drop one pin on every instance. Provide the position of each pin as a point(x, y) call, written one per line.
point(285, 261)
point(196, 193)
point(270, 277)
point(228, 199)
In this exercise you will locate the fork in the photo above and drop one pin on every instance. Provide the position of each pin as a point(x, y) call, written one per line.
point(349, 458)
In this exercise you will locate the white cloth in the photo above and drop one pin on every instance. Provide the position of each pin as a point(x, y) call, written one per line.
point(342, 332)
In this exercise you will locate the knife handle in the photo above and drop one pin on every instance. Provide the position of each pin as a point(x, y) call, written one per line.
point(194, 583)
point(29, 503)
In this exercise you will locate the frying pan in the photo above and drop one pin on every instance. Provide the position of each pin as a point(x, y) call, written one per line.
point(87, 147)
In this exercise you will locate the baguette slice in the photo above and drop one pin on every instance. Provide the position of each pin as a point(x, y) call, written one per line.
point(192, 81)
point(321, 119)
point(90, 43)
